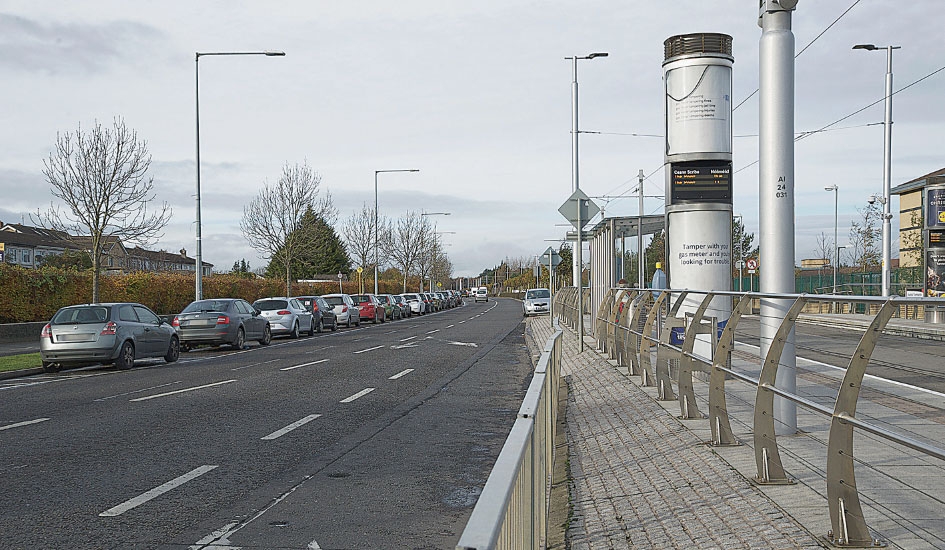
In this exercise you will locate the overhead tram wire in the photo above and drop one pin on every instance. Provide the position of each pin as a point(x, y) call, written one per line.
point(804, 49)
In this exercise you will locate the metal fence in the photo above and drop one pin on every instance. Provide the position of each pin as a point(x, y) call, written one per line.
point(632, 322)
point(512, 511)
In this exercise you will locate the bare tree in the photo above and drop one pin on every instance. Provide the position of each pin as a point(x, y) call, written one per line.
point(824, 248)
point(428, 250)
point(101, 177)
point(272, 222)
point(406, 243)
point(864, 233)
point(358, 233)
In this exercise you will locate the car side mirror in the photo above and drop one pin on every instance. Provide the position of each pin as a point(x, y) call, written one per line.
point(257, 312)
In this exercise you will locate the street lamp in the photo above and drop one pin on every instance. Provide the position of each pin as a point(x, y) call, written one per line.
point(887, 160)
point(575, 184)
point(376, 172)
point(197, 56)
point(836, 202)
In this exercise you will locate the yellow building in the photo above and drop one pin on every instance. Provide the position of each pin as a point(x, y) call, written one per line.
point(921, 220)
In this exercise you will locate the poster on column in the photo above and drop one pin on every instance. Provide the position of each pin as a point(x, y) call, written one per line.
point(935, 199)
point(935, 272)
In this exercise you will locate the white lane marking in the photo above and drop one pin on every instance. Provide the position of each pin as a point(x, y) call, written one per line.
point(369, 349)
point(411, 338)
point(400, 374)
point(461, 322)
point(318, 350)
point(870, 376)
point(450, 326)
point(297, 424)
point(255, 364)
point(403, 346)
point(182, 391)
point(156, 492)
point(358, 395)
point(467, 344)
point(138, 391)
point(21, 424)
point(304, 365)
point(432, 331)
point(314, 546)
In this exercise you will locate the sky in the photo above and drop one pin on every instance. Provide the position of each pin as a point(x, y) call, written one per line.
point(476, 95)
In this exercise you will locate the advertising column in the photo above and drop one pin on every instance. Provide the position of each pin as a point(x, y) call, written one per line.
point(935, 241)
point(697, 74)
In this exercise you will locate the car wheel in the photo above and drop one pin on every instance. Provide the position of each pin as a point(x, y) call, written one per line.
point(267, 336)
point(320, 326)
point(173, 351)
point(374, 320)
point(348, 324)
point(358, 324)
point(126, 357)
point(334, 327)
point(295, 331)
point(240, 339)
point(51, 367)
point(311, 327)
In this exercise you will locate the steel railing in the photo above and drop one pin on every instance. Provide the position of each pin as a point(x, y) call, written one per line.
point(631, 322)
point(512, 511)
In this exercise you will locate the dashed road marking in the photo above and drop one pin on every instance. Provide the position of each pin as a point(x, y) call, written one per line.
point(139, 391)
point(157, 491)
point(401, 374)
point(21, 424)
point(358, 395)
point(303, 365)
point(297, 424)
point(182, 391)
point(367, 350)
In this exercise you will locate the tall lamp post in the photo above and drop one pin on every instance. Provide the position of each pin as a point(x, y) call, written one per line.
point(836, 202)
point(376, 172)
point(887, 160)
point(575, 184)
point(197, 56)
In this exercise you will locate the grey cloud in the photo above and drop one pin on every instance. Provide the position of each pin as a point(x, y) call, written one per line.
point(54, 47)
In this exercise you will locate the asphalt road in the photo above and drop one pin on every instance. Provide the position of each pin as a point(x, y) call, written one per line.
point(379, 437)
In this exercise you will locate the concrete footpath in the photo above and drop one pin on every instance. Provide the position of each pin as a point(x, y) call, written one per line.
point(640, 477)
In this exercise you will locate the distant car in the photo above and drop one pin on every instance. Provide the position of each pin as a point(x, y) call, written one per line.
point(482, 294)
point(416, 303)
point(217, 321)
point(537, 300)
point(286, 316)
point(345, 309)
point(401, 303)
point(106, 333)
point(391, 310)
point(370, 308)
point(323, 316)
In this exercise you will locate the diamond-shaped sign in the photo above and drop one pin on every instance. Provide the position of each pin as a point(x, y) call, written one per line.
point(579, 207)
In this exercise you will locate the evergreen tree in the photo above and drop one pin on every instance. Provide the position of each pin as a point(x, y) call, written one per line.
point(326, 257)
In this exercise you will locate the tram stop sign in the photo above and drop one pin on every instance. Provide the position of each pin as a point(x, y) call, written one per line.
point(579, 207)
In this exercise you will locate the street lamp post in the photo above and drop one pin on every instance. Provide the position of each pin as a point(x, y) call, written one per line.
point(376, 172)
point(197, 56)
point(887, 161)
point(836, 202)
point(575, 184)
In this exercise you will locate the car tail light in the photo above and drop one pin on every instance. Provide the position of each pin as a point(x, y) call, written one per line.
point(283, 312)
point(223, 320)
point(110, 329)
point(176, 322)
point(314, 308)
point(344, 309)
point(47, 332)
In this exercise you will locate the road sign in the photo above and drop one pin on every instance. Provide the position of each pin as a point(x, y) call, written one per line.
point(550, 256)
point(752, 263)
point(579, 207)
point(360, 269)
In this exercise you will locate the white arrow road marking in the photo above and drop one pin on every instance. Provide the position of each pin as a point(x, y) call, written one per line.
point(20, 424)
point(156, 492)
point(304, 364)
point(401, 374)
point(297, 424)
point(314, 546)
point(358, 395)
point(182, 391)
point(467, 344)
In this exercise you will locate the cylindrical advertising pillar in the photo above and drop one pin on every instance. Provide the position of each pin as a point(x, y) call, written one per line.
point(697, 76)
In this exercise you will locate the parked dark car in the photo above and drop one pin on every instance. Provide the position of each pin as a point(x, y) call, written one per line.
point(106, 333)
point(218, 321)
point(323, 314)
point(403, 305)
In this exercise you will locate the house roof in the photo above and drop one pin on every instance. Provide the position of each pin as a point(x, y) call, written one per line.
point(918, 183)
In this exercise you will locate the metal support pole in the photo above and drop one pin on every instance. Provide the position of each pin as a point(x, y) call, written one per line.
point(640, 279)
point(776, 188)
point(578, 280)
point(575, 183)
point(887, 174)
point(198, 292)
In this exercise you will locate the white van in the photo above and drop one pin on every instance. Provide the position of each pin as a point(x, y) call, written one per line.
point(482, 293)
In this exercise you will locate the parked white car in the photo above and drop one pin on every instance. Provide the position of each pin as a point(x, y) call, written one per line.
point(286, 316)
point(345, 309)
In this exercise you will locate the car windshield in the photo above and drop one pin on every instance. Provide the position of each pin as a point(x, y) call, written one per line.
point(412, 297)
point(538, 293)
point(270, 305)
point(207, 305)
point(335, 300)
point(360, 298)
point(80, 315)
point(382, 299)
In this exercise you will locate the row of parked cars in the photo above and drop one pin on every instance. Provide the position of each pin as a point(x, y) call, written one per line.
point(120, 333)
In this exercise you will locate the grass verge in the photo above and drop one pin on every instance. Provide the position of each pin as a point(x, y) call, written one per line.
point(19, 362)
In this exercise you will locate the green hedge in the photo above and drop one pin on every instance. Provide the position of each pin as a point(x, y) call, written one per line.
point(28, 295)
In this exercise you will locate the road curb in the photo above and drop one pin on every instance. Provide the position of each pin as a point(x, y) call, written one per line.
point(20, 373)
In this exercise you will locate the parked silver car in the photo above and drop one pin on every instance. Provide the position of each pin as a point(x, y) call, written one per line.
point(286, 316)
point(221, 321)
point(417, 305)
point(106, 333)
point(537, 300)
point(345, 310)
